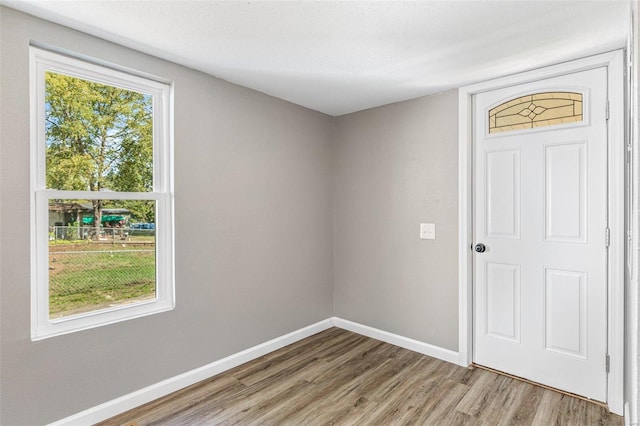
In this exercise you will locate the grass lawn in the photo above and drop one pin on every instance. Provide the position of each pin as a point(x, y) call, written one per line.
point(82, 280)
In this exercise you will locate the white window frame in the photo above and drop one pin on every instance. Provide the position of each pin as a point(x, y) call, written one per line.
point(41, 61)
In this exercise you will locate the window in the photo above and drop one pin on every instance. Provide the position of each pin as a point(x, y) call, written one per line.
point(536, 110)
point(102, 234)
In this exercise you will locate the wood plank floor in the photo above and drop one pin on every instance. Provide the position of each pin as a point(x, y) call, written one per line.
point(340, 378)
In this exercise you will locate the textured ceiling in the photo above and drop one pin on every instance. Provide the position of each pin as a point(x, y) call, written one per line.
point(340, 57)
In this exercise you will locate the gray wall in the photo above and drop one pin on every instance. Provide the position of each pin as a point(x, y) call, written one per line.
point(253, 236)
point(262, 190)
point(394, 167)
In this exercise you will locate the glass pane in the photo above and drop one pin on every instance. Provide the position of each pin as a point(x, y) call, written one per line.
point(99, 137)
point(536, 110)
point(98, 267)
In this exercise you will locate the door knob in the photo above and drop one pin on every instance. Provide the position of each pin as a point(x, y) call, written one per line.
point(480, 248)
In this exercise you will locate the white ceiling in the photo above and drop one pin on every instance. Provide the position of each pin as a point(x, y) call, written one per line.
point(339, 57)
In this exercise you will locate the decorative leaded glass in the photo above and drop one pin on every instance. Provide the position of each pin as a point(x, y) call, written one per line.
point(536, 110)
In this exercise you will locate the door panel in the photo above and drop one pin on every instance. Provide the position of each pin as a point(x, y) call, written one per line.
point(540, 208)
point(566, 326)
point(566, 192)
point(503, 194)
point(503, 301)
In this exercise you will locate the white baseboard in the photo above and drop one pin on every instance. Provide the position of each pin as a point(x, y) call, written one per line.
point(127, 402)
point(627, 416)
point(394, 339)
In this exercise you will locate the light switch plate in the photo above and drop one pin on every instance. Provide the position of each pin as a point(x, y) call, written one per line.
point(428, 231)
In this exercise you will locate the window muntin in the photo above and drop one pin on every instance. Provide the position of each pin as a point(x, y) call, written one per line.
point(137, 184)
point(536, 110)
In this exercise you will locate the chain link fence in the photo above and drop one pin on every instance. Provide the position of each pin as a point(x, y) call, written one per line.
point(97, 268)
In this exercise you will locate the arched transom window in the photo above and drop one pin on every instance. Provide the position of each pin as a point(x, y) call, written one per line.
point(536, 110)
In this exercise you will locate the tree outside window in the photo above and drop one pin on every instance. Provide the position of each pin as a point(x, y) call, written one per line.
point(101, 195)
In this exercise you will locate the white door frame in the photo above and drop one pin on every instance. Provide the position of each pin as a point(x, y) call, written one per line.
point(614, 61)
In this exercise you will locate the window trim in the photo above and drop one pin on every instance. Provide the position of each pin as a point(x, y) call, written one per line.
point(46, 60)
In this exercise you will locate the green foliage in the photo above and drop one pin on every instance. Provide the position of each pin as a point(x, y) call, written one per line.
point(68, 171)
point(72, 231)
point(99, 137)
point(141, 211)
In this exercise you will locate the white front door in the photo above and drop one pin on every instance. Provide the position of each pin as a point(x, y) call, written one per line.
point(540, 210)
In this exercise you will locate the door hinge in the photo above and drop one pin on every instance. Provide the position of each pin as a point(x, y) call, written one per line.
point(607, 110)
point(607, 237)
point(608, 362)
